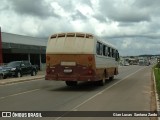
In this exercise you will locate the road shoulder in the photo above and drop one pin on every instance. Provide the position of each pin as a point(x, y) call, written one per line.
point(155, 104)
point(39, 75)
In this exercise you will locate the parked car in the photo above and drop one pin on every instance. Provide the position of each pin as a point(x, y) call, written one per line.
point(1, 72)
point(18, 69)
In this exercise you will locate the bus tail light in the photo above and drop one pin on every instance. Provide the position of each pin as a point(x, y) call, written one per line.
point(48, 71)
point(89, 72)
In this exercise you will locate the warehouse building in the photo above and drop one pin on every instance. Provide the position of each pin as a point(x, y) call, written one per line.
point(19, 47)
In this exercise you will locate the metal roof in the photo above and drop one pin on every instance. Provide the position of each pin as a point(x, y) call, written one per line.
point(21, 39)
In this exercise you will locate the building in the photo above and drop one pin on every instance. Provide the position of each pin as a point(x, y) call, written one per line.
point(19, 47)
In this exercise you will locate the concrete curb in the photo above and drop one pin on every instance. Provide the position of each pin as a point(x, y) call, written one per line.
point(21, 80)
point(156, 95)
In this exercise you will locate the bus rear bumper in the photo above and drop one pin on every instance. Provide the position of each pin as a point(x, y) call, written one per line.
point(71, 78)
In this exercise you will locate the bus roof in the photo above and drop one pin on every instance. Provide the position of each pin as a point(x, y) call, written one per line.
point(81, 34)
point(72, 42)
point(72, 34)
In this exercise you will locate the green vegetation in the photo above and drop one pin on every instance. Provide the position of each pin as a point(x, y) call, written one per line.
point(157, 78)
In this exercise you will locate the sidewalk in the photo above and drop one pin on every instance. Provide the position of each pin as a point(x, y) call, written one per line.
point(10, 80)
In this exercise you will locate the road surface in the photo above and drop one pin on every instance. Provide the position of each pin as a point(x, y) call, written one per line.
point(129, 91)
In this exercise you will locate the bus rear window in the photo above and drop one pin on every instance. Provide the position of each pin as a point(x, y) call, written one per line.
point(71, 35)
point(53, 36)
point(89, 36)
point(61, 35)
point(80, 35)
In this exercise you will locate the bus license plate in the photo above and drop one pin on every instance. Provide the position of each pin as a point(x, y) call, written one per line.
point(67, 70)
point(68, 63)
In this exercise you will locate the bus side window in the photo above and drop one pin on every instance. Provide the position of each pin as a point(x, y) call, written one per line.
point(104, 50)
point(109, 51)
point(116, 55)
point(99, 48)
point(113, 53)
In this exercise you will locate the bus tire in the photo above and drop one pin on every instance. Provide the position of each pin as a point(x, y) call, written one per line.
point(102, 82)
point(115, 72)
point(71, 83)
point(111, 78)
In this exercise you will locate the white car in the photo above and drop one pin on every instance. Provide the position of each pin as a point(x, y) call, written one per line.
point(126, 64)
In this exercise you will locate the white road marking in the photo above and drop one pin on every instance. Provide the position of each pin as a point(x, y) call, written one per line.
point(19, 94)
point(107, 88)
point(76, 108)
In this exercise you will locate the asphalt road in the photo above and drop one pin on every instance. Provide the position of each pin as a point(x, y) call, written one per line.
point(129, 91)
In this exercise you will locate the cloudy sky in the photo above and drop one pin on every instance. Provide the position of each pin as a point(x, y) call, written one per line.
point(133, 26)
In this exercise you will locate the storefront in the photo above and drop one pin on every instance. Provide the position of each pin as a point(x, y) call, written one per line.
point(18, 47)
point(1, 59)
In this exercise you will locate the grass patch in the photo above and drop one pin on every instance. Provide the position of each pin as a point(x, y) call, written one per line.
point(157, 79)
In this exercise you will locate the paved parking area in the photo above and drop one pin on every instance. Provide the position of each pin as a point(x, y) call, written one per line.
point(39, 75)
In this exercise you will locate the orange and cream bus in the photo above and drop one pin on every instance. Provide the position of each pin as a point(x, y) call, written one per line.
point(73, 57)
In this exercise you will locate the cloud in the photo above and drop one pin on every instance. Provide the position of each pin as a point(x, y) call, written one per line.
point(100, 17)
point(135, 45)
point(147, 4)
point(78, 15)
point(131, 25)
point(123, 11)
point(38, 8)
point(4, 5)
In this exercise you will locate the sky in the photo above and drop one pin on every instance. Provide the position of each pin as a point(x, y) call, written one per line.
point(133, 26)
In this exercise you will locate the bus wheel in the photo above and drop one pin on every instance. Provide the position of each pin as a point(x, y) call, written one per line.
point(101, 82)
point(111, 78)
point(71, 83)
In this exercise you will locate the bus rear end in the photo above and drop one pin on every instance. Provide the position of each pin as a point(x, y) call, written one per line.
point(70, 58)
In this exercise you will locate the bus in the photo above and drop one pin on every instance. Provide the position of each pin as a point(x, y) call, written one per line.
point(77, 56)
